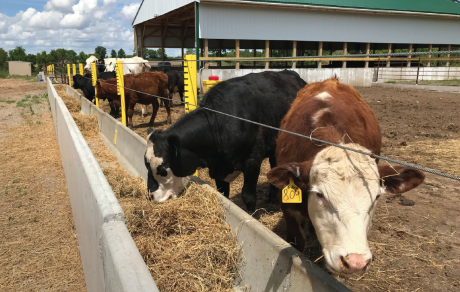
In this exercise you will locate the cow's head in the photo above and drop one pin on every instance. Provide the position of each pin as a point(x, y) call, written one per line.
point(100, 64)
point(342, 189)
point(169, 165)
point(88, 62)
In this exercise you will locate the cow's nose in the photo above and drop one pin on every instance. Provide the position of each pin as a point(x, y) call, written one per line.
point(354, 263)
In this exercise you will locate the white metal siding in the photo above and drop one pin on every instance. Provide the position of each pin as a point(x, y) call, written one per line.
point(264, 23)
point(150, 8)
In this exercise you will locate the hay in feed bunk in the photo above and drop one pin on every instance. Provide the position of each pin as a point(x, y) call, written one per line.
point(186, 243)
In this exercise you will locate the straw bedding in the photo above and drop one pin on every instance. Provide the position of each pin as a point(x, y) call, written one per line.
point(185, 243)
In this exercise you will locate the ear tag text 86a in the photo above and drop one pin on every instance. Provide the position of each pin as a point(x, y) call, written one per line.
point(292, 193)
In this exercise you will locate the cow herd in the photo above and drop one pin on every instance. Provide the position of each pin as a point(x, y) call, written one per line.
point(145, 87)
point(339, 188)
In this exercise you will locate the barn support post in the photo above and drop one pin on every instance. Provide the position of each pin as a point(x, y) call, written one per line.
point(237, 53)
point(410, 51)
point(121, 90)
point(80, 67)
point(255, 55)
point(430, 49)
point(389, 52)
point(320, 53)
point(206, 52)
point(368, 49)
point(345, 49)
point(94, 79)
point(267, 53)
point(68, 74)
point(135, 42)
point(294, 54)
point(142, 41)
point(449, 47)
point(197, 34)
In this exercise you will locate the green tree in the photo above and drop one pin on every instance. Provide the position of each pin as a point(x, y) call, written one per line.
point(101, 51)
point(31, 58)
point(41, 60)
point(113, 54)
point(18, 54)
point(3, 58)
point(71, 56)
point(82, 57)
point(121, 54)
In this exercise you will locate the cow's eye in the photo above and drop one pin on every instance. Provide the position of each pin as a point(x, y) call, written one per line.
point(319, 195)
point(378, 196)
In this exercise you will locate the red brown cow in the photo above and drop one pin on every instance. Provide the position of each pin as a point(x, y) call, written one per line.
point(340, 188)
point(155, 83)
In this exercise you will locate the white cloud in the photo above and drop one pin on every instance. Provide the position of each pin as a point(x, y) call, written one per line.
point(64, 6)
point(128, 12)
point(80, 25)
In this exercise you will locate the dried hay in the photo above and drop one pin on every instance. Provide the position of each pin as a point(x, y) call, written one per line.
point(185, 243)
point(205, 254)
point(38, 247)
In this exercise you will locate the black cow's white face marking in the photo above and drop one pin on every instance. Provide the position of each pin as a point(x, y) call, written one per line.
point(162, 182)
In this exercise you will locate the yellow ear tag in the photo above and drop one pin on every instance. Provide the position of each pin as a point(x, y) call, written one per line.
point(292, 193)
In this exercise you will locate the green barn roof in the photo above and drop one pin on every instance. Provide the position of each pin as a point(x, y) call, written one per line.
point(421, 6)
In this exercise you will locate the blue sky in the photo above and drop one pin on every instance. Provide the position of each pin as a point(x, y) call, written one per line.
point(80, 25)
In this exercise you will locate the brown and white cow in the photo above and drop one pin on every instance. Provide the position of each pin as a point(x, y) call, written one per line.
point(340, 188)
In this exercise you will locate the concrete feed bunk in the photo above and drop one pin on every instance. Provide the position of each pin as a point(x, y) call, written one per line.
point(271, 263)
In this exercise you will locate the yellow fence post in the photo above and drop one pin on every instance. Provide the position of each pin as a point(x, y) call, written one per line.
point(74, 69)
point(94, 78)
point(68, 74)
point(190, 84)
point(52, 69)
point(80, 67)
point(121, 90)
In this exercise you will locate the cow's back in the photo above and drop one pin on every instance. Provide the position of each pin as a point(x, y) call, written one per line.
point(264, 98)
point(329, 111)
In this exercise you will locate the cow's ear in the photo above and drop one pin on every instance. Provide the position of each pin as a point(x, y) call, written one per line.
point(400, 179)
point(174, 144)
point(300, 172)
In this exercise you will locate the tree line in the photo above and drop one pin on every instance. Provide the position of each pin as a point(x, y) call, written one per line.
point(57, 57)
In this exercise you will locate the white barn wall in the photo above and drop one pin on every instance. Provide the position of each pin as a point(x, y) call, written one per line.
point(219, 21)
point(352, 76)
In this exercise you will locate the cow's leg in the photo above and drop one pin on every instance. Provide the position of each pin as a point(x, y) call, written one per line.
point(251, 176)
point(181, 94)
point(273, 192)
point(223, 187)
point(295, 229)
point(168, 108)
point(130, 113)
point(144, 110)
point(155, 106)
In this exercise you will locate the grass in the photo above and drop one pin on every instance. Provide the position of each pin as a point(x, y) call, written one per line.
point(453, 82)
point(4, 74)
point(7, 101)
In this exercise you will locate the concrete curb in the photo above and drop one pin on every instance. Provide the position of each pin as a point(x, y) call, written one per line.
point(271, 263)
point(110, 258)
point(419, 87)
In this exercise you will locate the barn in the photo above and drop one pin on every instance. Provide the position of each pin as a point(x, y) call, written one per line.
point(280, 28)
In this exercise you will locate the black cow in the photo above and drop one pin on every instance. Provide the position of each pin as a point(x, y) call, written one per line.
point(100, 64)
point(175, 78)
point(85, 84)
point(225, 145)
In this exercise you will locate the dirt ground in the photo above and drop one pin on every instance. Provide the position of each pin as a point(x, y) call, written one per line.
point(415, 238)
point(38, 244)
